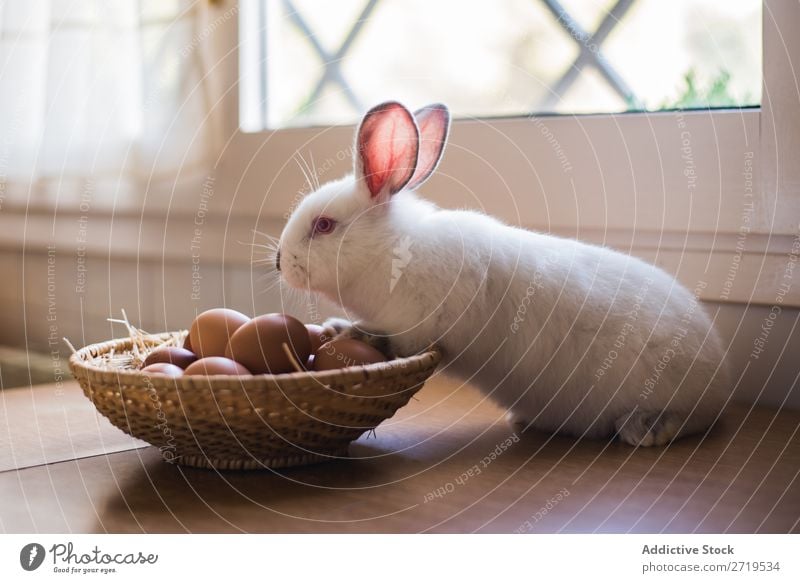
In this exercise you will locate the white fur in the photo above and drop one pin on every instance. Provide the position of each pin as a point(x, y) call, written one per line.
point(567, 336)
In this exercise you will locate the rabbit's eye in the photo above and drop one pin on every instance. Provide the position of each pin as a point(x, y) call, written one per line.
point(323, 226)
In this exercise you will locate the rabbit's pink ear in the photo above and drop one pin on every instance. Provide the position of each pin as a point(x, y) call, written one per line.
point(434, 124)
point(387, 145)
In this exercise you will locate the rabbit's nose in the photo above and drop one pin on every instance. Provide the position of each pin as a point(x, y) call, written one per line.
point(278, 260)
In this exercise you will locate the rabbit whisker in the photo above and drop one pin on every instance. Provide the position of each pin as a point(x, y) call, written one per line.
point(265, 235)
point(314, 172)
point(314, 182)
point(255, 246)
point(309, 182)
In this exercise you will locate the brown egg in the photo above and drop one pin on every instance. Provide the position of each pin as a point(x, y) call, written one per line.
point(310, 363)
point(258, 344)
point(345, 352)
point(172, 354)
point(164, 368)
point(212, 365)
point(212, 330)
point(187, 343)
point(317, 336)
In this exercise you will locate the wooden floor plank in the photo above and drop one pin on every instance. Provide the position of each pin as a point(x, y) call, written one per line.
point(742, 478)
point(53, 423)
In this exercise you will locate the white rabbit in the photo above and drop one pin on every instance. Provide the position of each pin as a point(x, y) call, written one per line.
point(568, 337)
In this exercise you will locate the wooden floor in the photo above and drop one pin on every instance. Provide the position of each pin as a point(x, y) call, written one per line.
point(440, 465)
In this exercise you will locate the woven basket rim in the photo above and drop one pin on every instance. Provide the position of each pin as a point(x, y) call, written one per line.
point(78, 362)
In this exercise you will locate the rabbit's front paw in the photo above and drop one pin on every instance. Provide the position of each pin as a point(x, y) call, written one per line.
point(341, 328)
point(335, 326)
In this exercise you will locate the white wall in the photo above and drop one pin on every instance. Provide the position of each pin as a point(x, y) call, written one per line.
point(158, 295)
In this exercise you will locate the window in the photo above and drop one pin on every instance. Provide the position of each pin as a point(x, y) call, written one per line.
point(309, 62)
point(673, 187)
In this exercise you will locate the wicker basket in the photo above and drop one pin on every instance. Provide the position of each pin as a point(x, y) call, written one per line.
point(248, 422)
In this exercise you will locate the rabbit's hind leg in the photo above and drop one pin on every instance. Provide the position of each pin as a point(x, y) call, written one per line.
point(650, 428)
